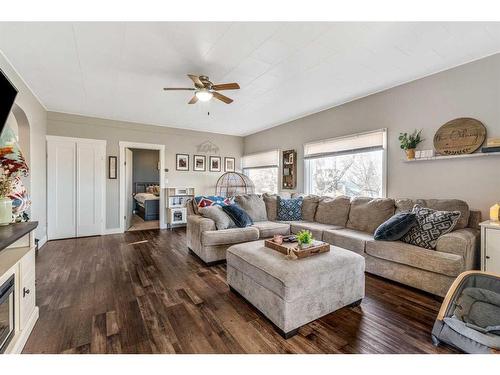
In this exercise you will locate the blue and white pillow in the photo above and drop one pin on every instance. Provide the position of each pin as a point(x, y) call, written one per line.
point(289, 209)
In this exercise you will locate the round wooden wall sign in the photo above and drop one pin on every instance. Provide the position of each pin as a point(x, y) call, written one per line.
point(459, 136)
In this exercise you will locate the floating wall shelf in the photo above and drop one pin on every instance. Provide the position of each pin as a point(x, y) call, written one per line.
point(464, 156)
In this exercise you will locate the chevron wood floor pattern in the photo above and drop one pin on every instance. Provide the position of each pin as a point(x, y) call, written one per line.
point(142, 292)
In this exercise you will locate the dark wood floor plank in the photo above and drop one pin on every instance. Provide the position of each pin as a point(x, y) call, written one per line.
point(116, 294)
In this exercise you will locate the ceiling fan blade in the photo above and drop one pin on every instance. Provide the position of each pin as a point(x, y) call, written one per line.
point(222, 98)
point(178, 88)
point(193, 100)
point(196, 80)
point(226, 86)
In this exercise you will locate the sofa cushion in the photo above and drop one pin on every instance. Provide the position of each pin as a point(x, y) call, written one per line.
point(439, 205)
point(289, 209)
point(254, 206)
point(268, 229)
point(309, 205)
point(396, 227)
point(396, 251)
point(271, 202)
point(366, 214)
point(229, 236)
point(238, 215)
point(349, 239)
point(217, 214)
point(431, 225)
point(334, 211)
point(316, 229)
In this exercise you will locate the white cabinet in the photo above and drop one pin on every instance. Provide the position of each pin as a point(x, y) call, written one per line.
point(75, 187)
point(490, 247)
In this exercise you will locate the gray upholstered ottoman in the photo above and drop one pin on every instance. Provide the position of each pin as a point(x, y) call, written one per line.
point(291, 293)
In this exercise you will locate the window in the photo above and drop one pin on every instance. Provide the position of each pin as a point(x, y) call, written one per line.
point(262, 169)
point(353, 165)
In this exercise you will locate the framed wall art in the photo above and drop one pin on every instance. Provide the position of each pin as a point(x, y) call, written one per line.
point(182, 162)
point(199, 163)
point(215, 164)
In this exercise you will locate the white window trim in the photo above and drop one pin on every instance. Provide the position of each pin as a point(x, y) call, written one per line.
point(307, 177)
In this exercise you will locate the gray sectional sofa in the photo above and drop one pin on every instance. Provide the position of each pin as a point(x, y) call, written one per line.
point(350, 223)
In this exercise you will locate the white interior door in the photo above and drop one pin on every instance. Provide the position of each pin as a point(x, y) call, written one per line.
point(128, 187)
point(90, 188)
point(61, 189)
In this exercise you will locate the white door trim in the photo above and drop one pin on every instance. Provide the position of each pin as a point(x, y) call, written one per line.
point(147, 146)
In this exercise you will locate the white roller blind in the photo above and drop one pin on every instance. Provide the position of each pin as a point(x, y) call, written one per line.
point(261, 159)
point(353, 143)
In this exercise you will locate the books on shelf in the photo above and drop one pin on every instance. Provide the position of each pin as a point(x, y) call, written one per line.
point(493, 142)
point(490, 149)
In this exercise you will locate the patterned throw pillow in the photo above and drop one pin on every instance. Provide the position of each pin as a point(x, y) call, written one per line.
point(211, 200)
point(431, 225)
point(289, 209)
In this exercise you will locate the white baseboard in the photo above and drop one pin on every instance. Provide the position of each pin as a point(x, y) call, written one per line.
point(112, 231)
point(42, 241)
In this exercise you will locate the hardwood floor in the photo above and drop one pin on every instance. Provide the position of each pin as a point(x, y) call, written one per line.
point(141, 292)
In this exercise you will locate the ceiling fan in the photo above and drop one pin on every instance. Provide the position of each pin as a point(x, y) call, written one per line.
point(204, 89)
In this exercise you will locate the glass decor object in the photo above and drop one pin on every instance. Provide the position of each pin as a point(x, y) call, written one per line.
point(234, 183)
point(495, 212)
point(5, 211)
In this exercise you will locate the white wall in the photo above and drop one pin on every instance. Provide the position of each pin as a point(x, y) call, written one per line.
point(471, 90)
point(37, 118)
point(175, 141)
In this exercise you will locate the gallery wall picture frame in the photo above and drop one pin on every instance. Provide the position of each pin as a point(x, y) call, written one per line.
point(229, 164)
point(112, 167)
point(215, 164)
point(199, 163)
point(182, 162)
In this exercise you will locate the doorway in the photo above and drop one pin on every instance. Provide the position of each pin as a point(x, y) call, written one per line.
point(142, 205)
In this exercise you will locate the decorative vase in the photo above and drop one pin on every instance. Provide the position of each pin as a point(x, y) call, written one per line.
point(5, 211)
point(410, 154)
point(495, 212)
point(304, 246)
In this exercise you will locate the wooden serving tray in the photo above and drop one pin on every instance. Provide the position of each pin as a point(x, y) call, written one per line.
point(289, 248)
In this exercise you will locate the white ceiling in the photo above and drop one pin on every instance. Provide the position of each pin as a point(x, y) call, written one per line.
point(285, 70)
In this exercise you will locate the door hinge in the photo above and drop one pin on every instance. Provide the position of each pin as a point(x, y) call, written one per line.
point(124, 218)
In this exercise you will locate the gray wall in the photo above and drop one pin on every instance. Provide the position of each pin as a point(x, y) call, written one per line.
point(29, 109)
point(145, 165)
point(470, 90)
point(175, 141)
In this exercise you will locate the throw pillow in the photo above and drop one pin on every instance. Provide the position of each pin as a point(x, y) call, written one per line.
point(238, 215)
point(254, 206)
point(289, 209)
point(431, 225)
point(217, 214)
point(396, 227)
point(211, 200)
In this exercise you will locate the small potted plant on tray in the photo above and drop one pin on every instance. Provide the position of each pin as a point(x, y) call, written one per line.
point(305, 239)
point(409, 142)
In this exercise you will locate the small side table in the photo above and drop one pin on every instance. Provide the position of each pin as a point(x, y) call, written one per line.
point(490, 246)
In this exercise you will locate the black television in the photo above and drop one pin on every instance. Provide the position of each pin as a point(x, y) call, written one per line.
point(8, 93)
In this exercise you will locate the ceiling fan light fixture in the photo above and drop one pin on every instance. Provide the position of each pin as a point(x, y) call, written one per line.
point(204, 95)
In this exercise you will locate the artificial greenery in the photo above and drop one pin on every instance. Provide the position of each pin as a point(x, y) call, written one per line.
point(304, 237)
point(409, 141)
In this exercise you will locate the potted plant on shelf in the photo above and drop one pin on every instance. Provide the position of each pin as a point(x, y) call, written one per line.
point(305, 239)
point(409, 142)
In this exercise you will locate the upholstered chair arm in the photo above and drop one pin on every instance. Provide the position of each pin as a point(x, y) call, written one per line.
point(196, 225)
point(464, 242)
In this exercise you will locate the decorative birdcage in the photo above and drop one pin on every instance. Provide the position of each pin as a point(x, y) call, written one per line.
point(233, 183)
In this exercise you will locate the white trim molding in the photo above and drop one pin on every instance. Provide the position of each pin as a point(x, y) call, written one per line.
point(146, 146)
